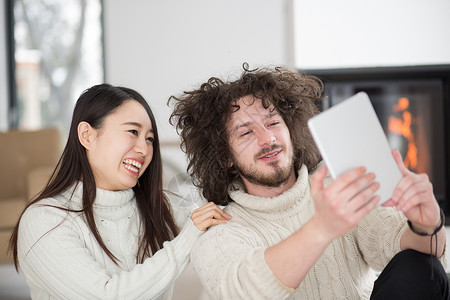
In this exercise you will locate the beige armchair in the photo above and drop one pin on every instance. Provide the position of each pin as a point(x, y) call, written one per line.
point(27, 159)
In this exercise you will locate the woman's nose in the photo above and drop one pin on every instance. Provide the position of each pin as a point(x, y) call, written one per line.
point(142, 146)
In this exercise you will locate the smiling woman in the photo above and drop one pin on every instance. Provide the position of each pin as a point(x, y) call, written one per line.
point(103, 227)
point(126, 139)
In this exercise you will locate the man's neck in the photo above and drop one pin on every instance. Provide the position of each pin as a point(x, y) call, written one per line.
point(269, 192)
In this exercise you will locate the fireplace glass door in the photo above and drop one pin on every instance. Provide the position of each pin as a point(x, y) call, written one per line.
point(412, 115)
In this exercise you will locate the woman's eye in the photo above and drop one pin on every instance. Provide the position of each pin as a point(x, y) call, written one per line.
point(274, 123)
point(133, 132)
point(151, 139)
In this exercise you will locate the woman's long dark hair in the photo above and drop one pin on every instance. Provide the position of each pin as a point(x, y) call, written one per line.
point(93, 106)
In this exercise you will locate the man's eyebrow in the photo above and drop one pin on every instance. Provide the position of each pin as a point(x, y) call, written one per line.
point(246, 124)
point(237, 127)
point(136, 124)
point(271, 114)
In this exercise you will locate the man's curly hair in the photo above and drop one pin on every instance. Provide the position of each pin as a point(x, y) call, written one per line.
point(201, 117)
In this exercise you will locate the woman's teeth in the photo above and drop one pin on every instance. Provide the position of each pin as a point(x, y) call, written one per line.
point(132, 165)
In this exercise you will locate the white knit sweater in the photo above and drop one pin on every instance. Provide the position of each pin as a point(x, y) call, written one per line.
point(61, 259)
point(229, 258)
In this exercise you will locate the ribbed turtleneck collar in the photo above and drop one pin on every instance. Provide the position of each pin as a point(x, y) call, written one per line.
point(108, 204)
point(281, 202)
point(103, 197)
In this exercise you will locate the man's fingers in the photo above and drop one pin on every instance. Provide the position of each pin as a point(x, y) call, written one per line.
point(362, 198)
point(317, 179)
point(348, 177)
point(367, 207)
point(399, 160)
point(389, 203)
point(358, 185)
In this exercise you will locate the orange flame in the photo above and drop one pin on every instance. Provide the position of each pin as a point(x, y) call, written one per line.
point(402, 126)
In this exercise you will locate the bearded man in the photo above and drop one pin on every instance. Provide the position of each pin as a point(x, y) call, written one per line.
point(295, 232)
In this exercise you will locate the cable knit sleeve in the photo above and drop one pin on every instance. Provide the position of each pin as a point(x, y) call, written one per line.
point(56, 262)
point(378, 236)
point(231, 265)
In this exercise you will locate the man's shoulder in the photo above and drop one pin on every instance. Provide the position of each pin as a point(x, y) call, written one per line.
point(224, 241)
point(233, 231)
point(231, 227)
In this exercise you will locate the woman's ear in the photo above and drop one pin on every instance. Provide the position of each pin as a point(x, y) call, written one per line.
point(85, 134)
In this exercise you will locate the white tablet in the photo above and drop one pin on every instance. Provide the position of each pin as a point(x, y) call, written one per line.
point(350, 135)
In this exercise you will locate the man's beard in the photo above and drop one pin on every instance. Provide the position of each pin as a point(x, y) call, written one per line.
point(276, 178)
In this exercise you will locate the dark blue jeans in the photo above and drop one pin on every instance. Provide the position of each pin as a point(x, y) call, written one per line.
point(412, 275)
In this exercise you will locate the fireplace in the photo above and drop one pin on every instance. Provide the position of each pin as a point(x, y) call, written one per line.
point(413, 106)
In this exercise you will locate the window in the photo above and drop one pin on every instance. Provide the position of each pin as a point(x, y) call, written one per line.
point(57, 53)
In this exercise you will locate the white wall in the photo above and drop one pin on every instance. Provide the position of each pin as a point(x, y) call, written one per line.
point(355, 33)
point(162, 48)
point(3, 70)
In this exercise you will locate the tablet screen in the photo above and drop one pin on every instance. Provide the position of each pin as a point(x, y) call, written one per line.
point(350, 135)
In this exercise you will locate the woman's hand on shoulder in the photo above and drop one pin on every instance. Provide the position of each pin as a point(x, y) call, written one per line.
point(208, 215)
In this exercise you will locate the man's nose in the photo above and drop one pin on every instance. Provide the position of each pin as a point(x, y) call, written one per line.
point(265, 137)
